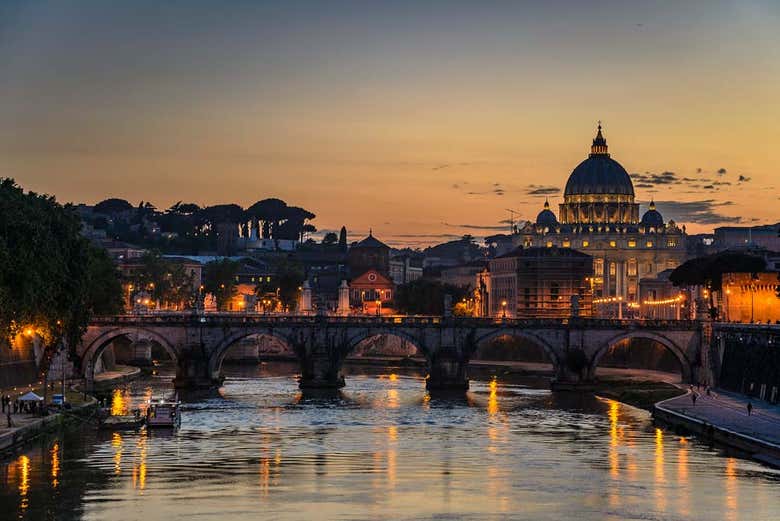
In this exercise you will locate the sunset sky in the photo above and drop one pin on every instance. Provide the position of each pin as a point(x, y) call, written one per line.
point(423, 120)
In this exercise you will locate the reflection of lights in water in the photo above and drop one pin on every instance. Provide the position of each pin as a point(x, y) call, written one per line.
point(682, 476)
point(24, 481)
point(731, 489)
point(116, 442)
point(393, 377)
point(426, 401)
point(139, 472)
point(614, 438)
point(393, 402)
point(55, 465)
point(492, 407)
point(392, 437)
point(120, 401)
point(660, 478)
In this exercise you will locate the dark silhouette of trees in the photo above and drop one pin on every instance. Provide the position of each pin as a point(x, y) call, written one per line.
point(219, 279)
point(52, 280)
point(165, 281)
point(330, 238)
point(426, 297)
point(113, 207)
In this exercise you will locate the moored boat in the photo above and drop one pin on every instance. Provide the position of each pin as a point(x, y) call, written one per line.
point(164, 414)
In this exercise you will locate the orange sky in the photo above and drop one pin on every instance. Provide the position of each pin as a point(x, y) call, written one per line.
point(419, 121)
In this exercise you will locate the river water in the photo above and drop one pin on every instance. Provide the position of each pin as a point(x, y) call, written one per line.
point(383, 449)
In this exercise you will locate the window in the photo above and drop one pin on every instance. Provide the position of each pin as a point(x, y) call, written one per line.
point(549, 244)
point(585, 244)
point(598, 267)
point(567, 244)
point(612, 269)
point(671, 243)
point(555, 291)
point(632, 243)
point(632, 267)
point(649, 267)
point(649, 244)
point(612, 244)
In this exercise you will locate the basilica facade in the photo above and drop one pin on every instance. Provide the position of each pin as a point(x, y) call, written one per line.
point(599, 217)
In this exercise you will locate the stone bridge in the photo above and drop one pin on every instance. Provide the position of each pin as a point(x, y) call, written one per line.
point(199, 342)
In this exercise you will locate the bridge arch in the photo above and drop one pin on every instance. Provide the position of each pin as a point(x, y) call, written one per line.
point(355, 339)
point(95, 348)
point(524, 335)
point(685, 363)
point(220, 351)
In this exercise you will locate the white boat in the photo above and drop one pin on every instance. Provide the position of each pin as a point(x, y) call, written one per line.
point(162, 413)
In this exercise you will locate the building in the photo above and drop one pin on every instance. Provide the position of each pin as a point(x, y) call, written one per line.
point(369, 254)
point(463, 276)
point(750, 297)
point(599, 216)
point(660, 299)
point(766, 236)
point(537, 283)
point(371, 293)
point(405, 268)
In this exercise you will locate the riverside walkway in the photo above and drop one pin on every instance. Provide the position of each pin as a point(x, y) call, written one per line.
point(728, 412)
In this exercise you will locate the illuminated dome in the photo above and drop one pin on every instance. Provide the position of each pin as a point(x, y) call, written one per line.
point(652, 217)
point(546, 217)
point(599, 173)
point(599, 190)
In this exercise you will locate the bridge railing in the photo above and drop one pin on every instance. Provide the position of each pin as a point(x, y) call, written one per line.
point(191, 319)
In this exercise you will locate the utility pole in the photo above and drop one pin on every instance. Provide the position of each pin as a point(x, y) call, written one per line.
point(512, 220)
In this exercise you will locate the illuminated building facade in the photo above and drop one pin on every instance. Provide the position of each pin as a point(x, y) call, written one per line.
point(536, 283)
point(599, 216)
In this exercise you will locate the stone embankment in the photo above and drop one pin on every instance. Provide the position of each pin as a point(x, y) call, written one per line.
point(722, 418)
point(26, 427)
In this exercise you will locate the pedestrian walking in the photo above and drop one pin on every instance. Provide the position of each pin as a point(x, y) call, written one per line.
point(693, 398)
point(708, 391)
point(8, 415)
point(749, 408)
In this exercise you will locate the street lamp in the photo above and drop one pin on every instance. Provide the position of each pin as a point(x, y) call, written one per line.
point(503, 308)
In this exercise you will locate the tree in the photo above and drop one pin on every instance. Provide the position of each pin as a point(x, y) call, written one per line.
point(112, 206)
point(426, 297)
point(289, 276)
point(52, 280)
point(165, 281)
point(330, 238)
point(343, 238)
point(219, 279)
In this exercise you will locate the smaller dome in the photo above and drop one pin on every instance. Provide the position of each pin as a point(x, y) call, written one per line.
point(546, 217)
point(652, 217)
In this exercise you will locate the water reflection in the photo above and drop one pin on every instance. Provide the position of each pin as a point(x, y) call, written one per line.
point(385, 449)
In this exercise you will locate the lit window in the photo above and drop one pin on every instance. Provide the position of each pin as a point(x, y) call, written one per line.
point(612, 244)
point(598, 266)
point(567, 244)
point(585, 244)
point(649, 244)
point(612, 269)
point(632, 243)
point(631, 267)
point(549, 244)
point(671, 243)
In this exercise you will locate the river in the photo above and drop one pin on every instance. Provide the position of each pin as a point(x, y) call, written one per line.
point(383, 449)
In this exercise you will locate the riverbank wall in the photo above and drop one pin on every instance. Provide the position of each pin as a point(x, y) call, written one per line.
point(9, 441)
point(761, 450)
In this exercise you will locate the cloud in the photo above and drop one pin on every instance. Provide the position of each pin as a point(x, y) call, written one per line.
point(722, 171)
point(540, 190)
point(664, 178)
point(699, 212)
point(743, 179)
point(479, 226)
point(441, 167)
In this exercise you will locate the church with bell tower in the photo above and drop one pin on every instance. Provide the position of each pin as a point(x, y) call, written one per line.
point(599, 217)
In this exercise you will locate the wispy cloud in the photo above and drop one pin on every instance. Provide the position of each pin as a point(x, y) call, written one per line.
point(699, 212)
